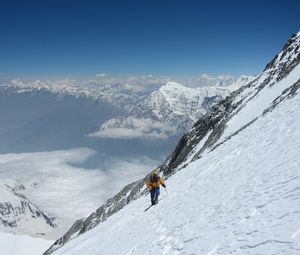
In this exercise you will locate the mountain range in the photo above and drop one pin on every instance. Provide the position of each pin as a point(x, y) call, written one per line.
point(50, 131)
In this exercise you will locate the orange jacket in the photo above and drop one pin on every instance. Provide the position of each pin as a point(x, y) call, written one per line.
point(155, 184)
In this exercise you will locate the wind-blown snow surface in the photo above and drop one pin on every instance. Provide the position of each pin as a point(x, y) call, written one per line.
point(241, 198)
point(22, 245)
point(256, 106)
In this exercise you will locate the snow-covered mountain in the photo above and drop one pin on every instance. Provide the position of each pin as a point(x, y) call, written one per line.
point(171, 110)
point(227, 81)
point(121, 92)
point(168, 111)
point(117, 93)
point(237, 190)
point(63, 114)
point(176, 99)
point(18, 214)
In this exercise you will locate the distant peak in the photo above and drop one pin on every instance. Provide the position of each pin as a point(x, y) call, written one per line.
point(173, 84)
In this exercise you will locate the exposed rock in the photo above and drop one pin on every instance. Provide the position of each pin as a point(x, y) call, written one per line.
point(16, 210)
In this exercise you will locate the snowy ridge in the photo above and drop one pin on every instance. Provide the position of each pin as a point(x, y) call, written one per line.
point(227, 81)
point(18, 214)
point(240, 82)
point(180, 100)
point(119, 95)
point(239, 196)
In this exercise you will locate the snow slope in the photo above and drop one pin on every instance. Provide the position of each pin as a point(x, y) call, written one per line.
point(241, 198)
point(22, 245)
point(238, 188)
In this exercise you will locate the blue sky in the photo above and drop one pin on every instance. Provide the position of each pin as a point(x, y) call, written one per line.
point(159, 37)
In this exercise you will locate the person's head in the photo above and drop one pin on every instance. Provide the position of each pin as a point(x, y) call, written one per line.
point(154, 175)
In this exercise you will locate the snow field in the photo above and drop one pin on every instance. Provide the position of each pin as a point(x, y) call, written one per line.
point(22, 245)
point(262, 101)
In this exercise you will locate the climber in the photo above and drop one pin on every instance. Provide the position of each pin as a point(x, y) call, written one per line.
point(153, 184)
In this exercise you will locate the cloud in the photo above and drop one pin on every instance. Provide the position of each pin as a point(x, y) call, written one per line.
point(128, 128)
point(59, 188)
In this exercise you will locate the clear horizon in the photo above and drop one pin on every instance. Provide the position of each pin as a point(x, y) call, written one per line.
point(72, 39)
